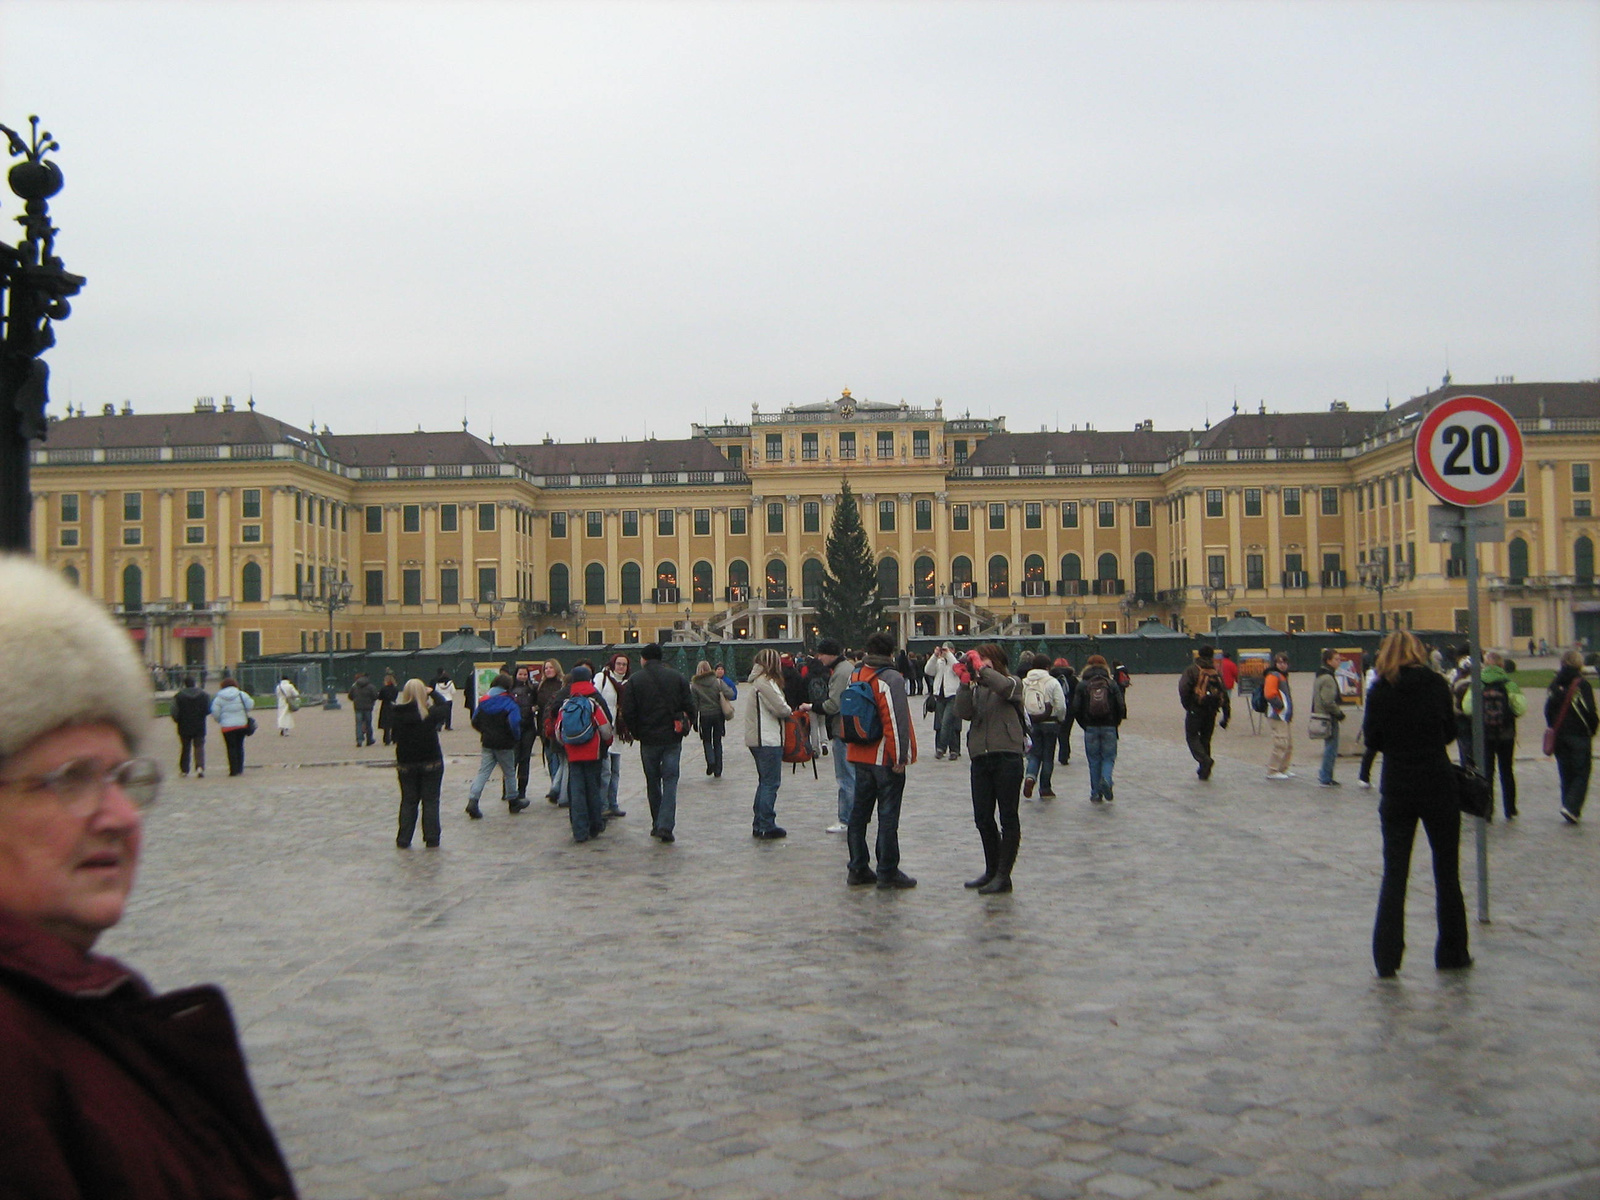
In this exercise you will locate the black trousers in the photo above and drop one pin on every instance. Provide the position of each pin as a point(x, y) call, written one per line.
point(1441, 817)
point(199, 746)
point(1198, 726)
point(1064, 741)
point(420, 784)
point(997, 787)
point(1500, 755)
point(525, 757)
point(233, 739)
point(1573, 764)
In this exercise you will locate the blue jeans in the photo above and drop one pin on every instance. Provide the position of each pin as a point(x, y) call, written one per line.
point(488, 759)
point(610, 777)
point(660, 765)
point(1330, 755)
point(769, 774)
point(1041, 762)
point(1100, 746)
point(844, 774)
point(586, 794)
point(555, 761)
point(881, 787)
point(946, 725)
point(363, 726)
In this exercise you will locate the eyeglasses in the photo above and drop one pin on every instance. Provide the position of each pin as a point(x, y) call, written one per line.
point(79, 784)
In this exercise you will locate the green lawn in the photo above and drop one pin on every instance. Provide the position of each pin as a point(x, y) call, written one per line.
point(1533, 681)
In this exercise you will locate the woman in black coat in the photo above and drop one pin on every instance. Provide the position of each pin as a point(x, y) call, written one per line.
point(418, 761)
point(1575, 735)
point(1412, 722)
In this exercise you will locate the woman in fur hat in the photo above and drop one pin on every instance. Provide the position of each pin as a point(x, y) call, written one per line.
point(110, 1090)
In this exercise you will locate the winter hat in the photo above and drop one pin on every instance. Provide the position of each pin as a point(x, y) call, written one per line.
point(85, 663)
point(580, 675)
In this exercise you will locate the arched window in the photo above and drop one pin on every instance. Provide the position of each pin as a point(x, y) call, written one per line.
point(1107, 566)
point(1071, 566)
point(560, 587)
point(70, 572)
point(738, 574)
point(1583, 560)
point(1517, 560)
point(594, 585)
point(1033, 569)
point(961, 576)
point(777, 580)
point(702, 582)
point(132, 588)
point(1144, 575)
point(888, 579)
point(632, 583)
point(922, 578)
point(250, 583)
point(811, 573)
point(999, 577)
point(666, 577)
point(194, 585)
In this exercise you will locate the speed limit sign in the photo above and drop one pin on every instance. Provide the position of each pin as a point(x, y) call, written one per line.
point(1468, 451)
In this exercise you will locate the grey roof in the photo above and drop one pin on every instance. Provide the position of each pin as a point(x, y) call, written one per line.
point(1094, 445)
point(242, 427)
point(598, 458)
point(1526, 401)
point(1251, 625)
point(1250, 430)
point(410, 449)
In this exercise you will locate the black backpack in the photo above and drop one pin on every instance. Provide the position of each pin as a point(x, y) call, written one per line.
point(818, 679)
point(1098, 705)
point(1498, 721)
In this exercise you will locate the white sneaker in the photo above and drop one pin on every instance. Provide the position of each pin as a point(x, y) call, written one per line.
point(1364, 783)
point(837, 828)
point(1277, 775)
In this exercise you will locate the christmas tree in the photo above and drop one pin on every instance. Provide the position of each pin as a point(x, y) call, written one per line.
point(849, 607)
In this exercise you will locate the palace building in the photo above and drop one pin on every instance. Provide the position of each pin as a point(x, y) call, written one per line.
point(221, 534)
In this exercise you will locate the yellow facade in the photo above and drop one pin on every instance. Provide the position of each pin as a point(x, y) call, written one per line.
point(216, 535)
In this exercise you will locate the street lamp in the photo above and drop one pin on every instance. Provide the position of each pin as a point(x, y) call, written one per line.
point(490, 607)
point(1218, 595)
point(630, 626)
point(1376, 576)
point(1075, 613)
point(336, 597)
point(34, 288)
point(1130, 606)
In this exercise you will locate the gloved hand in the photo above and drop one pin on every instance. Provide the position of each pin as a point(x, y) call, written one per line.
point(1223, 724)
point(960, 668)
point(974, 662)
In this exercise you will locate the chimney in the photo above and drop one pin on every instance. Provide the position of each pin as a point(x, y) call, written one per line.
point(227, 404)
point(108, 410)
point(205, 404)
point(127, 408)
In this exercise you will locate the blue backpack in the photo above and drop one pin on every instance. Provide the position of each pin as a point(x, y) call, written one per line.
point(859, 721)
point(576, 726)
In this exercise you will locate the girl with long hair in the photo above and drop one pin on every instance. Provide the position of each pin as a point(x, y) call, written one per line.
point(414, 719)
point(711, 692)
point(991, 698)
point(764, 715)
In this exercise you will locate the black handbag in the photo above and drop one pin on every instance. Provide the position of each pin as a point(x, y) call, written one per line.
point(250, 726)
point(1472, 793)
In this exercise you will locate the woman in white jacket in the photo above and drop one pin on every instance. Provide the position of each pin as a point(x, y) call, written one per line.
point(288, 700)
point(764, 714)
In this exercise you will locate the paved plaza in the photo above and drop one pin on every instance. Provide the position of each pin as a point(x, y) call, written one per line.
point(1178, 999)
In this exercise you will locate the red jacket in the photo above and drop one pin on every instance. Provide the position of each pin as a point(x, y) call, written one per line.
point(591, 750)
point(1229, 671)
point(111, 1090)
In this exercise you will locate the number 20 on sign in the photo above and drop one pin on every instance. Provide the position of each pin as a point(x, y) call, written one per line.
point(1469, 451)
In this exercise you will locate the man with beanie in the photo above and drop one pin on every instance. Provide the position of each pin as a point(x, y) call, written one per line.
point(657, 712)
point(1203, 694)
point(190, 708)
point(499, 725)
point(881, 769)
point(110, 1090)
point(830, 654)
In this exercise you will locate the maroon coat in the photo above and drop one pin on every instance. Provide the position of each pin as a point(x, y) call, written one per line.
point(110, 1090)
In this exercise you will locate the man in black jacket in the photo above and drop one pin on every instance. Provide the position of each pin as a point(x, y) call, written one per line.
point(190, 707)
point(657, 711)
point(526, 693)
point(363, 695)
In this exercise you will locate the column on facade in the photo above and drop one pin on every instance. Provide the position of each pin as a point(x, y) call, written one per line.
point(1234, 499)
point(1088, 520)
point(1050, 515)
point(1194, 522)
point(1014, 518)
point(164, 548)
point(506, 525)
point(757, 525)
point(224, 586)
point(719, 552)
point(39, 510)
point(1311, 505)
point(1550, 522)
point(611, 519)
point(791, 529)
point(278, 545)
point(430, 553)
point(1125, 541)
point(467, 579)
point(647, 568)
point(1272, 501)
point(682, 525)
point(979, 519)
point(905, 523)
point(391, 551)
point(941, 553)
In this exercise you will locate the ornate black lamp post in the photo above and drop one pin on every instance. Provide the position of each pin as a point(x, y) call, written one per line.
point(490, 607)
point(33, 292)
point(1377, 576)
point(1218, 595)
point(336, 597)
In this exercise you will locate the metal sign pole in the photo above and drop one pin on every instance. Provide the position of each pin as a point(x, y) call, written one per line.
point(1469, 546)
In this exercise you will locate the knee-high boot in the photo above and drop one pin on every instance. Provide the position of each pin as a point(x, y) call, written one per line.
point(991, 852)
point(1010, 839)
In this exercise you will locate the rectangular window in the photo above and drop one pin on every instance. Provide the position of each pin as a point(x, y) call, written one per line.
point(558, 524)
point(1291, 502)
point(808, 447)
point(69, 537)
point(1217, 570)
point(1255, 574)
point(630, 522)
point(1520, 486)
point(488, 583)
point(1330, 502)
point(1069, 514)
point(486, 518)
point(69, 506)
point(448, 518)
point(250, 503)
point(1107, 510)
point(194, 535)
point(666, 523)
point(374, 595)
point(411, 586)
point(811, 516)
point(194, 504)
point(1252, 502)
point(959, 519)
point(594, 524)
point(1108, 628)
point(411, 518)
point(374, 641)
point(133, 506)
point(1213, 502)
point(374, 518)
point(1141, 513)
point(449, 586)
point(702, 522)
point(299, 507)
point(132, 536)
point(1522, 622)
point(738, 521)
point(735, 455)
point(997, 516)
point(1032, 515)
point(1297, 623)
point(961, 452)
point(885, 444)
point(1409, 476)
point(1580, 477)
point(1583, 508)
point(1333, 622)
point(250, 644)
point(919, 443)
point(775, 517)
point(250, 533)
point(886, 515)
point(774, 447)
point(924, 511)
point(411, 640)
point(1516, 510)
point(847, 446)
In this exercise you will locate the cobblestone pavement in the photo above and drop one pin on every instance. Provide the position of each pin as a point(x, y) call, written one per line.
point(1178, 1000)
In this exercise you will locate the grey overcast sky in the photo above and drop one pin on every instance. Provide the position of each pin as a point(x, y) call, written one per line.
point(605, 219)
